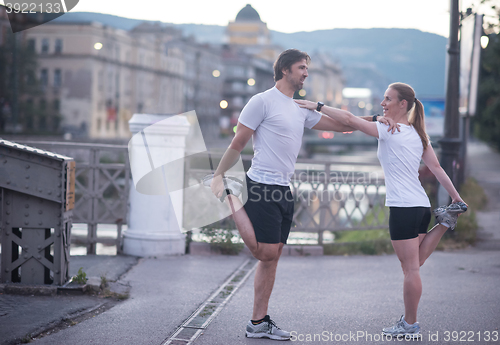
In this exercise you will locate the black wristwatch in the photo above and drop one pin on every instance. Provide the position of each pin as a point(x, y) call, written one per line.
point(320, 105)
point(374, 118)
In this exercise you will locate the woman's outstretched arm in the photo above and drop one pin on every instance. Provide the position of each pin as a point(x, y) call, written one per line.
point(430, 159)
point(347, 119)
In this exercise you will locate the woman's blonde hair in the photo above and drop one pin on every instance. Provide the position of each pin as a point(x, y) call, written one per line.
point(417, 116)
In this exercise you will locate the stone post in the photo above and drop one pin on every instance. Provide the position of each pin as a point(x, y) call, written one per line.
point(153, 227)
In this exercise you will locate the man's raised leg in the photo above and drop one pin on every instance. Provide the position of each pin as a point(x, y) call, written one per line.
point(261, 251)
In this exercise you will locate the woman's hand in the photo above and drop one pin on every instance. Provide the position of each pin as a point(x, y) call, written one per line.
point(458, 199)
point(306, 104)
point(393, 125)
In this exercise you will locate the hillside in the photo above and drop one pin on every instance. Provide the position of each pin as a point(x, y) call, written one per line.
point(369, 57)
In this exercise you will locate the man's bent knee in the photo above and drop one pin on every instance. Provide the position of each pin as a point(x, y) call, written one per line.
point(268, 252)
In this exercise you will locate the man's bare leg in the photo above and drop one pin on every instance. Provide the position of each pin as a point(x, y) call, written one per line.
point(261, 251)
point(243, 223)
point(264, 281)
point(268, 255)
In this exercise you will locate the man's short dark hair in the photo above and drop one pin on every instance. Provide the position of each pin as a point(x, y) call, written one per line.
point(286, 60)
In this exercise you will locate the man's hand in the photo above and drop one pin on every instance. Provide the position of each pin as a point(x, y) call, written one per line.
point(393, 125)
point(217, 186)
point(306, 104)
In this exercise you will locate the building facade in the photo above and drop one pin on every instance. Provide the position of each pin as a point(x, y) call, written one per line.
point(99, 76)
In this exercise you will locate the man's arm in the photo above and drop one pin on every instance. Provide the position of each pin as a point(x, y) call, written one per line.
point(230, 157)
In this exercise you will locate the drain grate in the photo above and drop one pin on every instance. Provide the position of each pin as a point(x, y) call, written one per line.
point(191, 329)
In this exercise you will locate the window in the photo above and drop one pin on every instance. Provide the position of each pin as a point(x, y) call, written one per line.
point(30, 76)
point(57, 78)
point(58, 47)
point(45, 46)
point(100, 81)
point(31, 45)
point(110, 82)
point(237, 86)
point(44, 77)
point(56, 105)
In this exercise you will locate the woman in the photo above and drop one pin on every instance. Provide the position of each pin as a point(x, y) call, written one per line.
point(400, 155)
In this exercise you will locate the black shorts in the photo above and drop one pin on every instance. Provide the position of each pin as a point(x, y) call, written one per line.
point(270, 209)
point(407, 222)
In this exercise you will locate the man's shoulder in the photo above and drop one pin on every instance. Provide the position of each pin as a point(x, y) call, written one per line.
point(267, 94)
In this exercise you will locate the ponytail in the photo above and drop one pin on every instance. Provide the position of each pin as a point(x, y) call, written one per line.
point(416, 118)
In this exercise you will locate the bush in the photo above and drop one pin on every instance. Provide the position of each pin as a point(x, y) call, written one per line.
point(466, 231)
point(375, 247)
point(223, 240)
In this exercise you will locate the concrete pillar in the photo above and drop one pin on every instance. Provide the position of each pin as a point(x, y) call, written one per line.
point(153, 227)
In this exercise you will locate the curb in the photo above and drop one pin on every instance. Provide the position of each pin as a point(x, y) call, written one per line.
point(204, 248)
point(24, 289)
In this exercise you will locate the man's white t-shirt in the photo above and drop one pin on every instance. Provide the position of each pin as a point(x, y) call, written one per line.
point(400, 155)
point(279, 124)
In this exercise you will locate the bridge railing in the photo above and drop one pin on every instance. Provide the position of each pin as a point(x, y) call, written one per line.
point(329, 195)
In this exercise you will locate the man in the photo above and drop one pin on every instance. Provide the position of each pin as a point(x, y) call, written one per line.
point(276, 124)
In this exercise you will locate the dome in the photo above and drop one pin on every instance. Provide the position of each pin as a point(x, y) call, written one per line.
point(248, 14)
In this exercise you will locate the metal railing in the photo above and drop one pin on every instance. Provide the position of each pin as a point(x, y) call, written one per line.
point(329, 195)
point(101, 188)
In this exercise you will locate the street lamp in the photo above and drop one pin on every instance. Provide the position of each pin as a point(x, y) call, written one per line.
point(484, 41)
point(450, 143)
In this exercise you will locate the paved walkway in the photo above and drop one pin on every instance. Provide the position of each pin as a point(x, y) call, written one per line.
point(483, 163)
point(322, 299)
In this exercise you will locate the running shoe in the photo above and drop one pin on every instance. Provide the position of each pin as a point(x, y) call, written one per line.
point(266, 329)
point(448, 215)
point(403, 329)
point(232, 185)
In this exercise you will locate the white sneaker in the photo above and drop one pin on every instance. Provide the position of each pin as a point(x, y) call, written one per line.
point(266, 329)
point(448, 215)
point(403, 329)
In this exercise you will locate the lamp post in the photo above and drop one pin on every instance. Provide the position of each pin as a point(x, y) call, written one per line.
point(450, 143)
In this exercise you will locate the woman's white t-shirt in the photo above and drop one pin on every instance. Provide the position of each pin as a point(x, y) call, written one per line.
point(400, 155)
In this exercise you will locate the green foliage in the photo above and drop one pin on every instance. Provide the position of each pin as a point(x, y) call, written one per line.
point(486, 123)
point(221, 240)
point(473, 194)
point(361, 235)
point(374, 247)
point(20, 89)
point(81, 277)
point(466, 231)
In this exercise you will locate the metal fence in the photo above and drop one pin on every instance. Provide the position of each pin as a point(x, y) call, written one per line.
point(101, 188)
point(329, 195)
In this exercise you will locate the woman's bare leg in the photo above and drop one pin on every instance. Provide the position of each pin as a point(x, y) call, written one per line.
point(408, 253)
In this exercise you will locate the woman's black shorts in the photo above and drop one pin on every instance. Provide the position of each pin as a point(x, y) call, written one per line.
point(407, 222)
point(270, 209)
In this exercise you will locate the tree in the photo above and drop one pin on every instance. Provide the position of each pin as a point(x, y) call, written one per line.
point(22, 103)
point(486, 123)
point(487, 119)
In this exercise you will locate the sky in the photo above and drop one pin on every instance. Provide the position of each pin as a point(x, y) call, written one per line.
point(289, 15)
